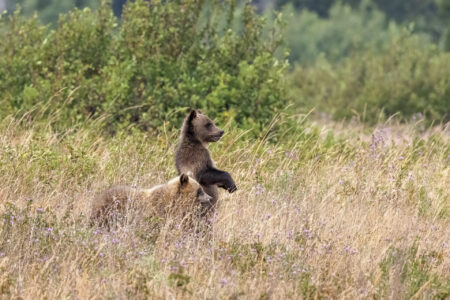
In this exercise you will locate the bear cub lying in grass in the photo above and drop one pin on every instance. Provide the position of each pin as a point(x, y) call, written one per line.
point(192, 155)
point(180, 196)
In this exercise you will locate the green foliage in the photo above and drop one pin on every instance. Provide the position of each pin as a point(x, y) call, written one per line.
point(179, 279)
point(428, 16)
point(407, 77)
point(415, 272)
point(320, 7)
point(165, 57)
point(345, 31)
point(54, 70)
point(50, 9)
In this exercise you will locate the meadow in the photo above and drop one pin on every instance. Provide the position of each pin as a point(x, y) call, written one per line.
point(331, 210)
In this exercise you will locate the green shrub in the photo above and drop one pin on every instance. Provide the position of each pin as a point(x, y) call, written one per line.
point(164, 57)
point(346, 30)
point(58, 69)
point(408, 78)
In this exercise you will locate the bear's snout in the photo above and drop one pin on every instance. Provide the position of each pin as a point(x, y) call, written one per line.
point(205, 198)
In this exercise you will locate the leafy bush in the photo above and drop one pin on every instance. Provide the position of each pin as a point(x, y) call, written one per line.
point(165, 56)
point(407, 77)
point(346, 30)
point(429, 16)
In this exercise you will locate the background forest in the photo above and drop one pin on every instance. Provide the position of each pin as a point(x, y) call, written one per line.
point(364, 59)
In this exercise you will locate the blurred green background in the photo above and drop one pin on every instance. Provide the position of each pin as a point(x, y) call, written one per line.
point(365, 59)
point(326, 22)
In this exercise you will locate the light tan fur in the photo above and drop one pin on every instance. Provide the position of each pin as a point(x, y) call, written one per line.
point(179, 196)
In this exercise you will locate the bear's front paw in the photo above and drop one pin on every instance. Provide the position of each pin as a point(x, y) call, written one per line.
point(232, 188)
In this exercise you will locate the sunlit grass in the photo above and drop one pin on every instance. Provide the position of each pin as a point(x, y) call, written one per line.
point(333, 210)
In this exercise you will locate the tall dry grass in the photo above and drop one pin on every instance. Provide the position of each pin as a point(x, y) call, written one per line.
point(333, 210)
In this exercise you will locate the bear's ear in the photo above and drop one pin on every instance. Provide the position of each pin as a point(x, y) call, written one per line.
point(184, 179)
point(192, 115)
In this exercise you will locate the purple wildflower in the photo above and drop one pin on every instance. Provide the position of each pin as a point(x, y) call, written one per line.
point(307, 232)
point(289, 154)
point(259, 189)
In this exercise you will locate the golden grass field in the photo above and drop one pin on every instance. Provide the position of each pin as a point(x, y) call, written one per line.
point(332, 210)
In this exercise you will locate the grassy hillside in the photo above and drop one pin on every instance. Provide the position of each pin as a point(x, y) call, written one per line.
point(343, 213)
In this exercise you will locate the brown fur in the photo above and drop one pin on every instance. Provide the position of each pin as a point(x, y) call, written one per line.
point(179, 196)
point(192, 154)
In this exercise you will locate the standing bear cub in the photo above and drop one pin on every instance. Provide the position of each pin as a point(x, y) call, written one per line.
point(192, 154)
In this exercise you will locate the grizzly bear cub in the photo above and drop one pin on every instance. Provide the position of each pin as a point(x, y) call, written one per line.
point(192, 154)
point(179, 196)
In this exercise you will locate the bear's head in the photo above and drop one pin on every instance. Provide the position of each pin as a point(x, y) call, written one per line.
point(188, 190)
point(200, 128)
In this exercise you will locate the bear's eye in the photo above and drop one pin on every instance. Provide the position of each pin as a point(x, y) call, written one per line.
point(208, 125)
point(199, 192)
